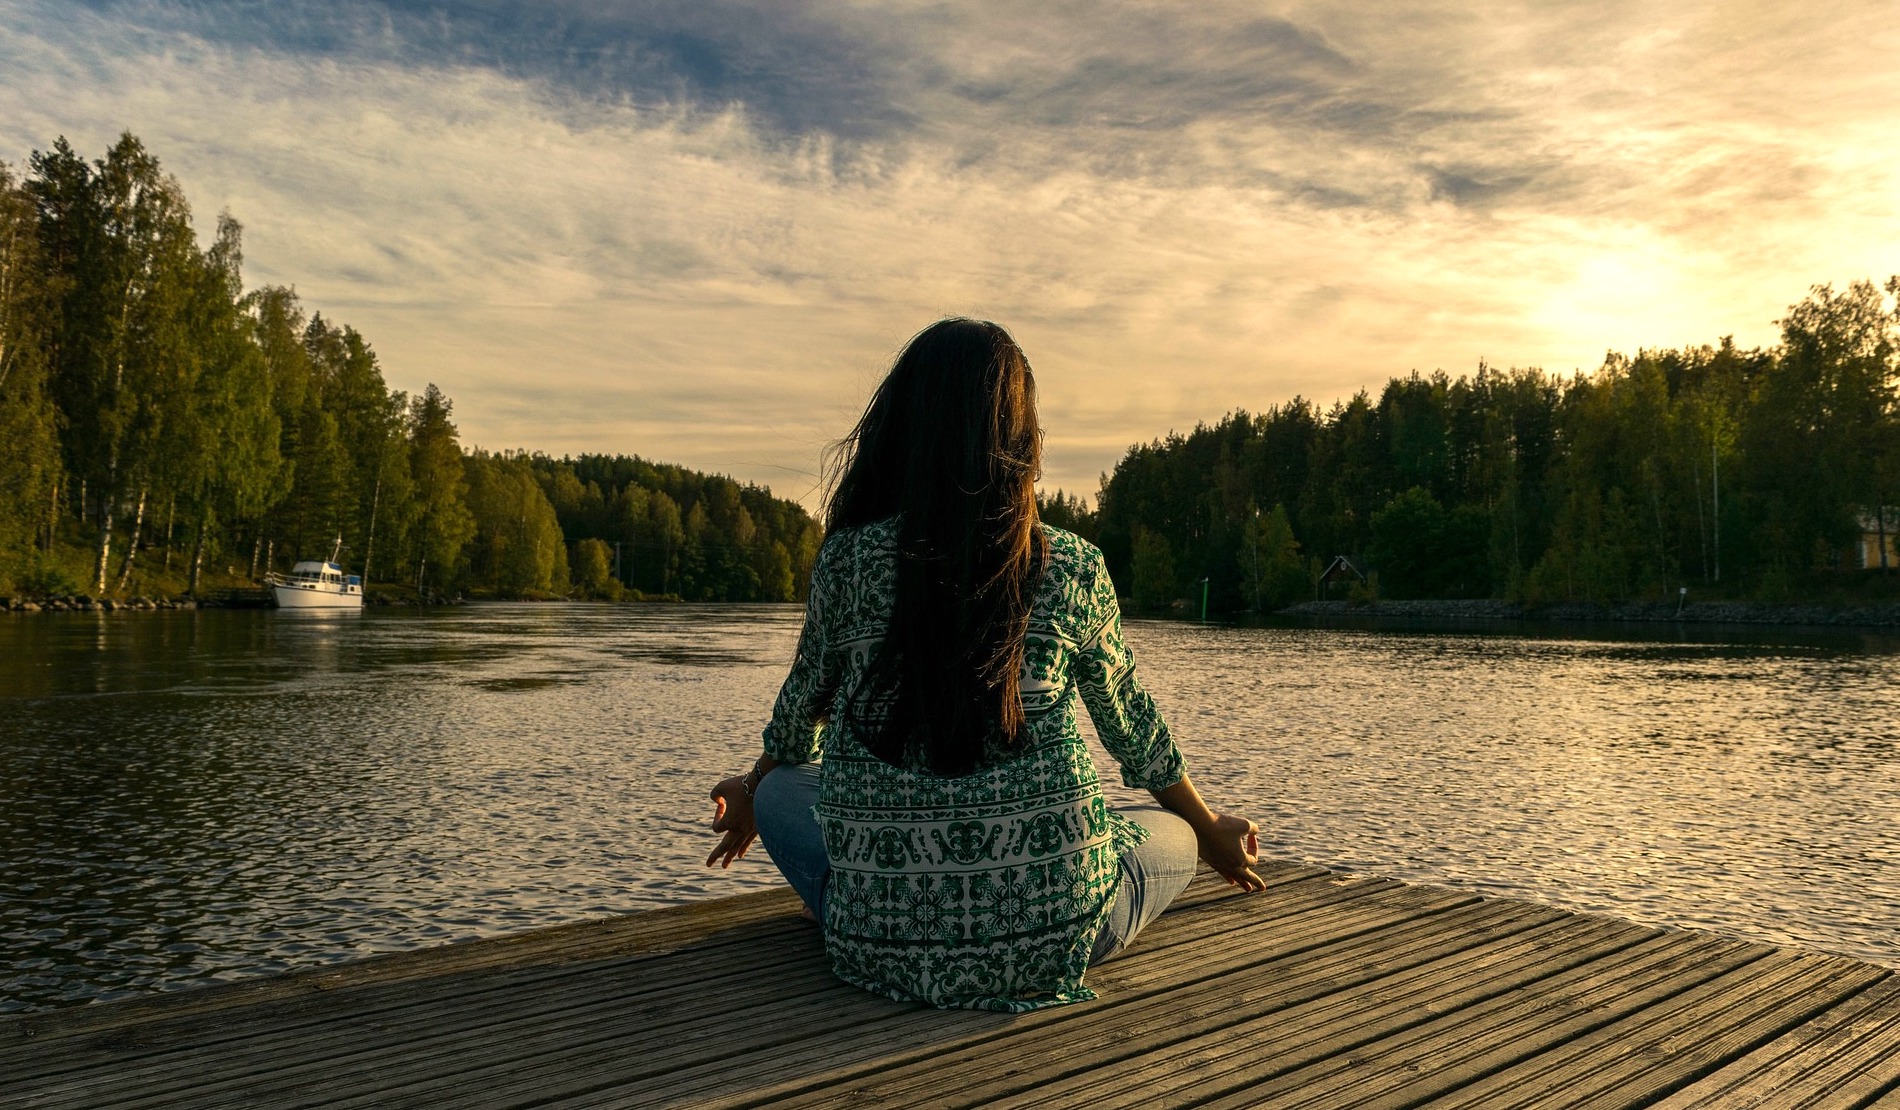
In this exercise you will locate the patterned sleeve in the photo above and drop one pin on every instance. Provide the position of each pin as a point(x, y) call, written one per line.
point(798, 714)
point(1125, 716)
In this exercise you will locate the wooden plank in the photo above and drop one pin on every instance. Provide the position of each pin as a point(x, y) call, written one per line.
point(1843, 1057)
point(1095, 1064)
point(420, 1037)
point(1330, 1027)
point(305, 1035)
point(1323, 992)
point(649, 931)
point(698, 1068)
point(934, 1068)
point(331, 1064)
point(1368, 1066)
point(1664, 1046)
point(450, 970)
point(930, 1025)
point(380, 1003)
point(1177, 950)
point(775, 1077)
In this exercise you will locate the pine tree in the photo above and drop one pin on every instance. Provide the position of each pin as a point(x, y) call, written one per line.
point(28, 460)
point(443, 522)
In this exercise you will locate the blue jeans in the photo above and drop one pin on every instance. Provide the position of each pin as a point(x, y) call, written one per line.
point(1152, 874)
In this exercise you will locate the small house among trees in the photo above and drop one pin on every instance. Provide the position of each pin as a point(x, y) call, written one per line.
point(1341, 570)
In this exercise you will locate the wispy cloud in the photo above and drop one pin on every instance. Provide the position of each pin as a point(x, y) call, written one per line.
point(698, 230)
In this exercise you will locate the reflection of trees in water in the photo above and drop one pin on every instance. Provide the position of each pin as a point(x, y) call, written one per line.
point(187, 795)
point(278, 791)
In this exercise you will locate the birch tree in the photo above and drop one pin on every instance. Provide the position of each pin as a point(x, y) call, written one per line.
point(122, 229)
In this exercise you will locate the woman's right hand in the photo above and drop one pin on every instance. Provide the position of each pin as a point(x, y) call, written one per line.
point(732, 818)
point(1231, 846)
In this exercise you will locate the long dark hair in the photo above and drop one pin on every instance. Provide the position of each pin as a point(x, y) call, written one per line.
point(949, 446)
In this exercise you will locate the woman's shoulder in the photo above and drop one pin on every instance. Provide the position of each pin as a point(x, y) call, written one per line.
point(1074, 578)
point(1071, 552)
point(858, 537)
point(857, 553)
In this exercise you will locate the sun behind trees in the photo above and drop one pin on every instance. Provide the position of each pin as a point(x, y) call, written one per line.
point(158, 423)
point(1769, 474)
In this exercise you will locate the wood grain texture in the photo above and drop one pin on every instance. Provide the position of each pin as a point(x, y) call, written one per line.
point(1324, 991)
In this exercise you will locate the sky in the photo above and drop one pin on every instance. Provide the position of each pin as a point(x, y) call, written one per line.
point(699, 230)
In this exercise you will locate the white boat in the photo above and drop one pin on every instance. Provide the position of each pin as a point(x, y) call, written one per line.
point(317, 585)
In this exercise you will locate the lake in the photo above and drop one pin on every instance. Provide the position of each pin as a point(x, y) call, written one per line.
point(198, 796)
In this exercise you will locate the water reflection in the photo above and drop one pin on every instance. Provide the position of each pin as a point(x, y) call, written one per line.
point(191, 796)
point(1736, 786)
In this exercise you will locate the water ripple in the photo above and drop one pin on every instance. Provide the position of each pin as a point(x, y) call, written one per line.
point(190, 797)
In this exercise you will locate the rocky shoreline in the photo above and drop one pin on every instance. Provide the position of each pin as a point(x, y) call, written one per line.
point(228, 599)
point(82, 603)
point(1876, 615)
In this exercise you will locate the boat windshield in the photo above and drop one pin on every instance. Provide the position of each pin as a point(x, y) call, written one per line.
point(313, 572)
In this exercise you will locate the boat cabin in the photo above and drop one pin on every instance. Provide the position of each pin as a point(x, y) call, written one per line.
point(321, 575)
point(319, 572)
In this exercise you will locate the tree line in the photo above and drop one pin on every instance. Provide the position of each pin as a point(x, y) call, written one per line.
point(152, 408)
point(1766, 474)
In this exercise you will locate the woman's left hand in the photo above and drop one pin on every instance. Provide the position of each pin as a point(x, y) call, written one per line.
point(732, 816)
point(1231, 846)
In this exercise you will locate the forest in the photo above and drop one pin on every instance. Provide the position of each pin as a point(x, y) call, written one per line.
point(160, 423)
point(163, 430)
point(1769, 475)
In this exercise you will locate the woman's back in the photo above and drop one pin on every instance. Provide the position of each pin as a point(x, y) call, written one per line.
point(962, 853)
point(986, 889)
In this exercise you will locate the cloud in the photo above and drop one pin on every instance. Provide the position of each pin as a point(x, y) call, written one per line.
point(698, 231)
point(794, 68)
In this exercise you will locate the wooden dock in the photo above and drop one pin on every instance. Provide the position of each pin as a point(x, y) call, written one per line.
point(1323, 992)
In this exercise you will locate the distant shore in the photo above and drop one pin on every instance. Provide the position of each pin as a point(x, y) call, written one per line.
point(1877, 615)
point(1880, 615)
point(221, 599)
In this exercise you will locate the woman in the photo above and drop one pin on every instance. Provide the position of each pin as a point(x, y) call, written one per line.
point(961, 852)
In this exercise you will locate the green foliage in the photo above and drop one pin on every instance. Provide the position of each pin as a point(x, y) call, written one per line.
point(148, 403)
point(146, 396)
point(444, 524)
point(1589, 558)
point(697, 536)
point(1155, 584)
point(1364, 590)
point(1274, 575)
point(28, 449)
point(1423, 549)
point(1069, 513)
point(123, 358)
point(44, 578)
point(517, 549)
point(593, 564)
point(1742, 473)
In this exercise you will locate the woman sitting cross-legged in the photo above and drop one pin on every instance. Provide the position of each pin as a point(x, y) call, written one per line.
point(954, 843)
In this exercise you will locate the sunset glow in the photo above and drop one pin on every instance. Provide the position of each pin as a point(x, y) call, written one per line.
point(698, 231)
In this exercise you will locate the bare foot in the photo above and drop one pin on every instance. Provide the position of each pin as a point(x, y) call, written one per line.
point(804, 911)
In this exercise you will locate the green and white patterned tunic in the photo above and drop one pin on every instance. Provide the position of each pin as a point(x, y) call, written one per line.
point(984, 891)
